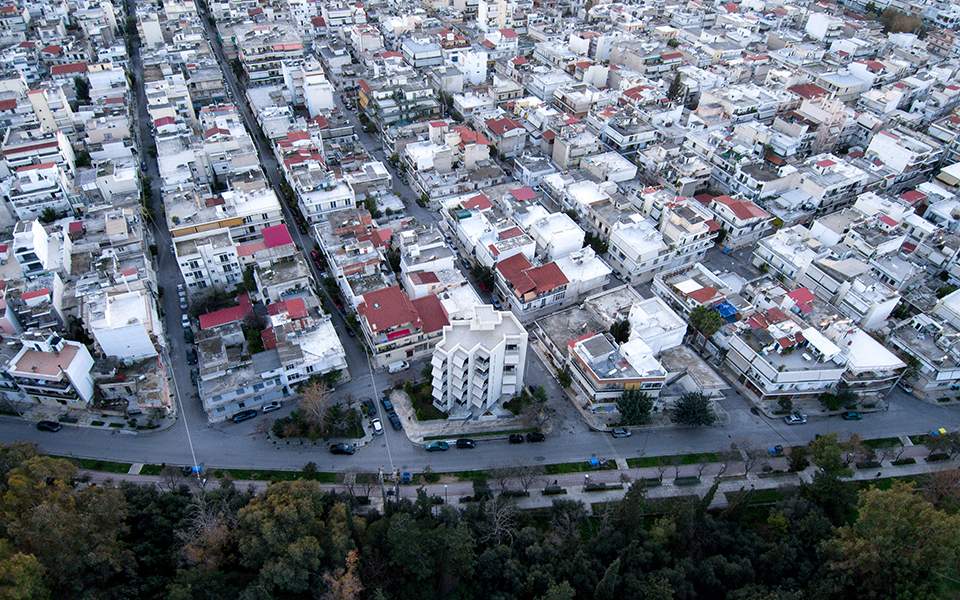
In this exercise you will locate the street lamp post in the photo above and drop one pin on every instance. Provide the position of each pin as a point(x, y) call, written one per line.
point(446, 499)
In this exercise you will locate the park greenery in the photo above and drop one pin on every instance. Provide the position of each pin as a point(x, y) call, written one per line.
point(63, 538)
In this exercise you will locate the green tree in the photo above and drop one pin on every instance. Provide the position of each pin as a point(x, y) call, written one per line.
point(900, 546)
point(827, 454)
point(48, 215)
point(673, 43)
point(82, 87)
point(675, 91)
point(620, 331)
point(693, 409)
point(634, 407)
point(82, 158)
point(564, 378)
point(22, 577)
point(705, 320)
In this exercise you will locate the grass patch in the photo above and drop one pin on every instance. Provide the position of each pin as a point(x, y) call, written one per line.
point(421, 399)
point(151, 469)
point(919, 439)
point(116, 425)
point(468, 475)
point(103, 465)
point(97, 423)
point(684, 459)
point(887, 442)
point(482, 434)
point(577, 467)
point(260, 475)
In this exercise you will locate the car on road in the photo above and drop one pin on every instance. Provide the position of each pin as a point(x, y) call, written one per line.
point(185, 321)
point(387, 405)
point(183, 304)
point(368, 407)
point(620, 432)
point(51, 426)
point(271, 406)
point(396, 367)
point(535, 436)
point(395, 421)
point(243, 415)
point(347, 449)
point(515, 438)
point(852, 415)
point(795, 418)
point(377, 427)
point(466, 444)
point(438, 446)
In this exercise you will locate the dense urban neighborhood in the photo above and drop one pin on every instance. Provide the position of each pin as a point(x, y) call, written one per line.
point(634, 254)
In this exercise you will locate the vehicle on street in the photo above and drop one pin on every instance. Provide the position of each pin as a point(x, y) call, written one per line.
point(795, 418)
point(396, 367)
point(243, 415)
point(906, 387)
point(387, 405)
point(535, 436)
point(775, 450)
point(51, 426)
point(466, 444)
point(185, 321)
point(515, 438)
point(369, 407)
point(620, 432)
point(377, 427)
point(347, 449)
point(395, 422)
point(438, 446)
point(852, 415)
point(271, 406)
point(183, 304)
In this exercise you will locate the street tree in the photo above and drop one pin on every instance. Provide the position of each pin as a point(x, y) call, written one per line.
point(635, 407)
point(827, 454)
point(693, 409)
point(315, 400)
point(620, 331)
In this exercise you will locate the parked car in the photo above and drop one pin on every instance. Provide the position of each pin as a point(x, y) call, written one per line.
point(243, 415)
point(516, 438)
point(438, 446)
point(396, 367)
point(369, 407)
point(620, 432)
point(466, 444)
point(51, 426)
point(377, 427)
point(387, 405)
point(795, 418)
point(852, 415)
point(535, 436)
point(271, 406)
point(395, 421)
point(185, 321)
point(347, 449)
point(183, 304)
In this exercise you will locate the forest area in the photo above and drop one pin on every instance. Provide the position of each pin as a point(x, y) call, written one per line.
point(61, 537)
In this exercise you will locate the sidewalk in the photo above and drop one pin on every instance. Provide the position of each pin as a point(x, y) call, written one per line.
point(418, 430)
point(91, 419)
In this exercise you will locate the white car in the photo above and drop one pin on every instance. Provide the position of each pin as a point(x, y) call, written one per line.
point(185, 321)
point(271, 406)
point(377, 427)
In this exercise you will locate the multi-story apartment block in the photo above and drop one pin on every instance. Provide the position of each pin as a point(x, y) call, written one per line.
point(397, 328)
point(479, 362)
point(52, 371)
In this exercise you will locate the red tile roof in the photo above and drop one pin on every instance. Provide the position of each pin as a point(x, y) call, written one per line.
point(227, 315)
point(164, 121)
point(502, 126)
point(508, 234)
point(478, 202)
point(45, 165)
point(52, 49)
point(77, 67)
point(913, 196)
point(295, 308)
point(704, 294)
point(887, 220)
point(526, 278)
point(742, 209)
point(523, 194)
point(808, 90)
point(424, 277)
point(276, 235)
point(269, 338)
point(387, 308)
point(8, 104)
point(35, 294)
point(508, 33)
point(250, 248)
point(432, 314)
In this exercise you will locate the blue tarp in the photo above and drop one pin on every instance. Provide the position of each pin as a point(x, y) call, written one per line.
point(727, 311)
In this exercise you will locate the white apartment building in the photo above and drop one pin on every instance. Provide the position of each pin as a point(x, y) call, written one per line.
point(479, 363)
point(37, 188)
point(53, 371)
point(788, 252)
point(910, 154)
point(125, 326)
point(743, 222)
point(208, 259)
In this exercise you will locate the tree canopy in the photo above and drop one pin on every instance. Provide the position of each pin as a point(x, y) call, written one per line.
point(705, 320)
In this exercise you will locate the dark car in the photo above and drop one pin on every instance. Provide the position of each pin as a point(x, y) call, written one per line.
point(535, 436)
point(395, 421)
point(243, 415)
point(438, 446)
point(516, 438)
point(852, 415)
point(51, 426)
point(466, 444)
point(369, 407)
point(387, 405)
point(347, 449)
